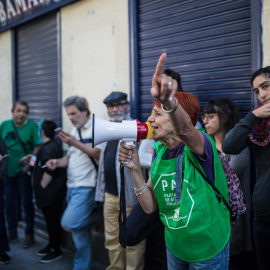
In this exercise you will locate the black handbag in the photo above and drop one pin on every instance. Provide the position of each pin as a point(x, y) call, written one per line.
point(141, 225)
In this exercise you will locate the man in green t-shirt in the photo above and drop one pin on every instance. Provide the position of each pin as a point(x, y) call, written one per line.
point(20, 136)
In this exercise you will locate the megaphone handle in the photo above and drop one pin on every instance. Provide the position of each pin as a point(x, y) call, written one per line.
point(129, 143)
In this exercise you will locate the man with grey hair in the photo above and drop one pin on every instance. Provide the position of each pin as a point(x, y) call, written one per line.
point(108, 190)
point(80, 213)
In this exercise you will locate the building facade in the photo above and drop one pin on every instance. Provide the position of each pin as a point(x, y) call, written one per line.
point(79, 48)
point(52, 49)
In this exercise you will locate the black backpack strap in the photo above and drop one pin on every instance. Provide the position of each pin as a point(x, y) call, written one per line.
point(18, 137)
point(92, 159)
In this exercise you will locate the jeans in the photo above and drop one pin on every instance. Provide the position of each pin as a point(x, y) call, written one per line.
point(78, 220)
point(16, 187)
point(218, 262)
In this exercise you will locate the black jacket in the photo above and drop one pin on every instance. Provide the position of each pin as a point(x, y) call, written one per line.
point(57, 187)
point(237, 140)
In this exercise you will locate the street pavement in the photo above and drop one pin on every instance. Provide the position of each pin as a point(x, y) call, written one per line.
point(26, 258)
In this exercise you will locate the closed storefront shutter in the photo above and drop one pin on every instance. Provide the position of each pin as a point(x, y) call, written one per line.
point(37, 67)
point(207, 41)
point(37, 73)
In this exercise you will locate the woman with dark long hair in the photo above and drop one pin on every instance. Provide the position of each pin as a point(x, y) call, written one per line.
point(219, 117)
point(255, 129)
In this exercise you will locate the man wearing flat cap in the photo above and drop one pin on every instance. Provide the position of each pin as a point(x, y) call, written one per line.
point(108, 190)
point(117, 106)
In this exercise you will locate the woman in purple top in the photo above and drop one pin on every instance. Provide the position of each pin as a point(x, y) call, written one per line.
point(197, 230)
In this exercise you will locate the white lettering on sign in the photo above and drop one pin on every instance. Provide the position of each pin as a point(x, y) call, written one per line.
point(3, 15)
point(10, 10)
point(14, 8)
point(173, 184)
point(20, 6)
point(171, 194)
point(164, 184)
point(32, 3)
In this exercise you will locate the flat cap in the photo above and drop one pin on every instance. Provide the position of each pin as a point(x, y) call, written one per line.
point(114, 97)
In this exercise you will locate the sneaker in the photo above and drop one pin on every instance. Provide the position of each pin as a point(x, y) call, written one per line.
point(4, 258)
point(51, 256)
point(29, 241)
point(44, 251)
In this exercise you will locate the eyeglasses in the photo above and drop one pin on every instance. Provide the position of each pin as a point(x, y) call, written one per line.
point(209, 116)
point(117, 105)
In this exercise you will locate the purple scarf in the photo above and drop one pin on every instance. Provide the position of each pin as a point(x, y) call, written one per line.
point(260, 133)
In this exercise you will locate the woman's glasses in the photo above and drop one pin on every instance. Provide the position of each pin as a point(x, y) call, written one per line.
point(209, 116)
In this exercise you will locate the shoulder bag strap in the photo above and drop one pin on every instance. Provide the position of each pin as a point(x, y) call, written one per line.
point(214, 188)
point(92, 159)
point(122, 213)
point(20, 140)
point(179, 180)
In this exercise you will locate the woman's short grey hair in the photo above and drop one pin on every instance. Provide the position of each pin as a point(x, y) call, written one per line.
point(80, 103)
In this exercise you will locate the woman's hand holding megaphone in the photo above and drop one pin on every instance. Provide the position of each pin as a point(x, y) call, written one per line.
point(128, 156)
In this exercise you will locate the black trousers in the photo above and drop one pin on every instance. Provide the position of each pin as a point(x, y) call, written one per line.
point(3, 232)
point(52, 214)
point(261, 233)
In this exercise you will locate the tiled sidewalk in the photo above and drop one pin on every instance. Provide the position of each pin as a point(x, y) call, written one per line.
point(26, 259)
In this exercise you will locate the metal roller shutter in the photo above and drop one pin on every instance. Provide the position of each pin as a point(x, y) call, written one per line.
point(37, 67)
point(37, 74)
point(207, 41)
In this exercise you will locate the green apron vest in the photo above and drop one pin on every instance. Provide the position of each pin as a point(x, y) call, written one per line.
point(198, 227)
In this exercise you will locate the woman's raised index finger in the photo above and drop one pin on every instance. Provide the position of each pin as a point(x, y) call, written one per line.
point(160, 65)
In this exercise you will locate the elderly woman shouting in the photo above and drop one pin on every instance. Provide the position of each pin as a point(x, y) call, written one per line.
point(197, 223)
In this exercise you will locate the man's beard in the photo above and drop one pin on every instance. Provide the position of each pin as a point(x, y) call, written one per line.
point(117, 117)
